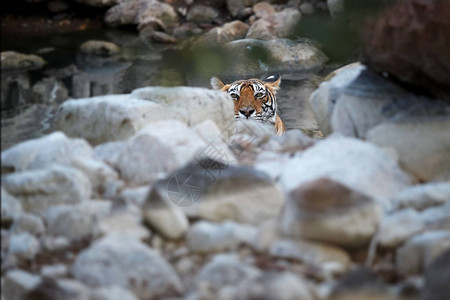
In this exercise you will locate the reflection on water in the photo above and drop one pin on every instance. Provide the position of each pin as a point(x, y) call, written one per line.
point(30, 98)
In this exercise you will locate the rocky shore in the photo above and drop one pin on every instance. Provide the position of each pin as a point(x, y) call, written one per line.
point(160, 194)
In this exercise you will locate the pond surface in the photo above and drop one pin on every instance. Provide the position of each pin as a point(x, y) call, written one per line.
point(34, 96)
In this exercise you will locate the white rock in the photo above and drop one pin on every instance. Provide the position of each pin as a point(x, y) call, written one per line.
point(207, 237)
point(112, 293)
point(61, 289)
point(420, 251)
point(197, 104)
point(39, 189)
point(11, 207)
point(109, 152)
point(158, 149)
point(135, 196)
point(398, 227)
point(274, 285)
point(18, 283)
point(224, 270)
point(124, 223)
point(31, 223)
point(56, 148)
point(354, 163)
point(55, 271)
point(310, 252)
point(422, 145)
point(75, 222)
point(161, 214)
point(127, 263)
point(423, 196)
point(327, 211)
point(23, 245)
point(109, 118)
point(324, 98)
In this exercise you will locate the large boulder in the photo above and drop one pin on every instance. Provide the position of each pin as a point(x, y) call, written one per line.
point(251, 57)
point(359, 165)
point(140, 11)
point(110, 118)
point(328, 211)
point(404, 41)
point(275, 25)
point(15, 61)
point(56, 148)
point(127, 263)
point(38, 190)
point(196, 104)
point(324, 98)
point(216, 191)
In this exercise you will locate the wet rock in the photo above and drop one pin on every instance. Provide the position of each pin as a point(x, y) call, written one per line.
point(75, 223)
point(388, 40)
point(274, 285)
point(168, 219)
point(112, 293)
point(39, 189)
point(437, 276)
point(127, 263)
point(192, 104)
point(17, 283)
point(398, 227)
point(137, 11)
point(11, 208)
point(56, 148)
point(326, 210)
point(231, 31)
point(235, 7)
point(208, 237)
point(336, 7)
point(423, 196)
point(55, 271)
point(57, 6)
point(61, 289)
point(150, 35)
point(323, 100)
point(101, 48)
point(11, 60)
point(23, 245)
point(358, 165)
point(275, 25)
point(224, 270)
point(124, 223)
point(50, 91)
point(33, 224)
point(141, 162)
point(263, 9)
point(109, 118)
point(254, 57)
point(419, 137)
point(309, 252)
point(202, 14)
point(306, 8)
point(98, 3)
point(421, 250)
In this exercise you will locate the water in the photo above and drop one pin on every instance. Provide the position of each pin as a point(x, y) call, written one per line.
point(33, 96)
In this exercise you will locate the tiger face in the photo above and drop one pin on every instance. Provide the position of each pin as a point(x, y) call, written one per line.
point(254, 99)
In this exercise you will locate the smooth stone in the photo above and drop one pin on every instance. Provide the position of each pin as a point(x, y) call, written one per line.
point(423, 196)
point(17, 283)
point(23, 245)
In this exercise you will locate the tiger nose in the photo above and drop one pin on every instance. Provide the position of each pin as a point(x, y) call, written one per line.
point(248, 111)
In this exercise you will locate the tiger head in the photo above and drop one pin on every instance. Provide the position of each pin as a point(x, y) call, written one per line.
point(253, 98)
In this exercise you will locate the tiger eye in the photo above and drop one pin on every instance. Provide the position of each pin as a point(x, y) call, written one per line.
point(259, 95)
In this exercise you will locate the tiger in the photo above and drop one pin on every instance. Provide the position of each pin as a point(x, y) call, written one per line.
point(254, 99)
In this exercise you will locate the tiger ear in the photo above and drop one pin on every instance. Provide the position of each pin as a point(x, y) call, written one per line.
point(273, 81)
point(217, 84)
